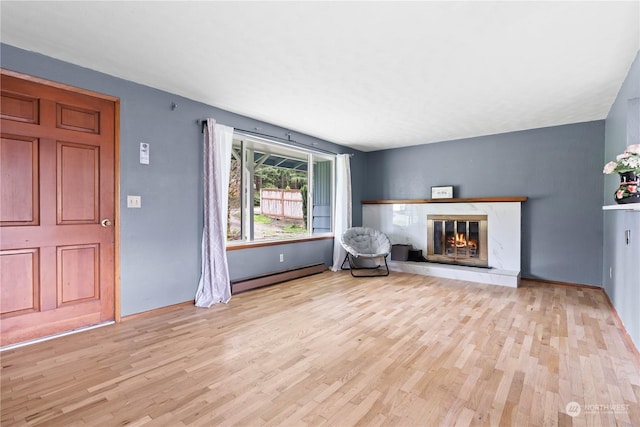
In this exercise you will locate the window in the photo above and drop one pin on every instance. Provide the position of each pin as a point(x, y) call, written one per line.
point(278, 192)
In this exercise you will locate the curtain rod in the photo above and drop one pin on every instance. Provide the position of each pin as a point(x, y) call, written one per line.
point(203, 123)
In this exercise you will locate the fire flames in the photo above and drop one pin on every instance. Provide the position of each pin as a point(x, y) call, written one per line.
point(460, 241)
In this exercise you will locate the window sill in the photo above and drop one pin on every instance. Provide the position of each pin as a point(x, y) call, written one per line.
point(232, 246)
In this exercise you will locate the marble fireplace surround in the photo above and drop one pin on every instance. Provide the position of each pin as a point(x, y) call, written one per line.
point(405, 222)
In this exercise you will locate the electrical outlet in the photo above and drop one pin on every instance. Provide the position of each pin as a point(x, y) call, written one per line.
point(134, 201)
point(281, 257)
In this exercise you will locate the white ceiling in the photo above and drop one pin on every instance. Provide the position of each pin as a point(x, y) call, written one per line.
point(369, 75)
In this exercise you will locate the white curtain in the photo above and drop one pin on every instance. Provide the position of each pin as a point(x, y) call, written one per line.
point(343, 207)
point(214, 286)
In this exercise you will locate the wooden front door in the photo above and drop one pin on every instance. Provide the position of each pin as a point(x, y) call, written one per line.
point(57, 198)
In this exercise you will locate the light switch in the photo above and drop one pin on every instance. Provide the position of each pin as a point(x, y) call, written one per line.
point(134, 201)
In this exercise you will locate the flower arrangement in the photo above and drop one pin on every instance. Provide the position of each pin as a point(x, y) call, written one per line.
point(628, 161)
point(627, 165)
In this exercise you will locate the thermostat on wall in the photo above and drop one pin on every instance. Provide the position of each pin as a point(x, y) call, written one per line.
point(144, 153)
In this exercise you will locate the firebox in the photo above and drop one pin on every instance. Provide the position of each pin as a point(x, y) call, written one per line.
point(457, 239)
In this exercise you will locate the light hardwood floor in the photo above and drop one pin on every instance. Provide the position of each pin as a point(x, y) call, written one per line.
point(332, 350)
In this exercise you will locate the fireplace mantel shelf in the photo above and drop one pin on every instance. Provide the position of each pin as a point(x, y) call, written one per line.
point(420, 201)
point(623, 207)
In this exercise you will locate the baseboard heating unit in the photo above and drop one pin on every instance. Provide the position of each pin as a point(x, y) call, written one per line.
point(241, 285)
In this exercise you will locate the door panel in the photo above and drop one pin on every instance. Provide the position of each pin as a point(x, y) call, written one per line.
point(21, 268)
point(20, 156)
point(19, 107)
point(78, 119)
point(57, 184)
point(78, 277)
point(78, 172)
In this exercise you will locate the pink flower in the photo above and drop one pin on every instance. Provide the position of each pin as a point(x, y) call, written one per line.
point(628, 161)
point(634, 149)
point(619, 194)
point(624, 155)
point(609, 167)
point(632, 188)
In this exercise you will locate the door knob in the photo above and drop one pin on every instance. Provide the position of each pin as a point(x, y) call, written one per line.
point(105, 222)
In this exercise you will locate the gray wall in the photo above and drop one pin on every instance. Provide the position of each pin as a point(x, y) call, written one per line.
point(256, 261)
point(558, 168)
point(623, 289)
point(160, 243)
point(616, 126)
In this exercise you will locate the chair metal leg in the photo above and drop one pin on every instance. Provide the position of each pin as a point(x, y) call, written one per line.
point(342, 267)
point(353, 267)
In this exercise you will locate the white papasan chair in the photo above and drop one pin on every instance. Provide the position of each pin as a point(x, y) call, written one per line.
point(364, 247)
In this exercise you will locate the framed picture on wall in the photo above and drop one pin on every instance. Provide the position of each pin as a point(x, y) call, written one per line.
point(442, 192)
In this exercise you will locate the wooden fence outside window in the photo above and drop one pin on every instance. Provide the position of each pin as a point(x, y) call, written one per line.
point(279, 203)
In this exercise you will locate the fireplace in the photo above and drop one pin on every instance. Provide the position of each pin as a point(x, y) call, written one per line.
point(457, 239)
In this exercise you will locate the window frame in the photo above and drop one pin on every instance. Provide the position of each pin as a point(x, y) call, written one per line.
point(312, 156)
